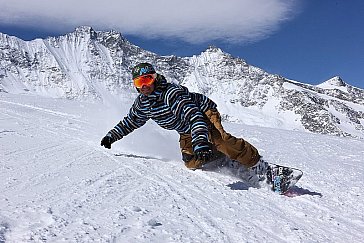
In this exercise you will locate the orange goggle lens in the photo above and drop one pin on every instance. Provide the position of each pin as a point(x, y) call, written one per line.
point(143, 80)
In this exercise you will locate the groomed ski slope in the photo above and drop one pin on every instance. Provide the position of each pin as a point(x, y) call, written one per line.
point(58, 185)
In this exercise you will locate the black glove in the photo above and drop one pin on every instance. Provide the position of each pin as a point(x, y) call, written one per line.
point(204, 153)
point(107, 141)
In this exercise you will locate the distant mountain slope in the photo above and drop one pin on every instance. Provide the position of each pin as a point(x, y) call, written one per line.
point(89, 64)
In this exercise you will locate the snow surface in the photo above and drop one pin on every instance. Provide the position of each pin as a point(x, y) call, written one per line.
point(59, 185)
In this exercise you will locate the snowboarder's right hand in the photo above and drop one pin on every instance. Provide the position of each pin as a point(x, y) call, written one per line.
point(107, 141)
point(204, 153)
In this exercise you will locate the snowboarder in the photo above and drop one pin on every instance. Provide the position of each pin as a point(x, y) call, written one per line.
point(194, 116)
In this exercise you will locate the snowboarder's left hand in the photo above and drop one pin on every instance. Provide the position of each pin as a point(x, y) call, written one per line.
point(107, 141)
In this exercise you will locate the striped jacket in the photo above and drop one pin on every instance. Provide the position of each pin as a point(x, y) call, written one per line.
point(172, 107)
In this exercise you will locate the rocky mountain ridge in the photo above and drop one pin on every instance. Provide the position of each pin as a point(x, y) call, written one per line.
point(89, 64)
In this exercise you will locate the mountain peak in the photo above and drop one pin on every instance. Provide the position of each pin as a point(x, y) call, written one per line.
point(333, 82)
point(214, 52)
point(336, 81)
point(213, 49)
point(86, 30)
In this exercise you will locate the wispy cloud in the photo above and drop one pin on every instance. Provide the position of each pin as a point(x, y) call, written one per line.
point(193, 21)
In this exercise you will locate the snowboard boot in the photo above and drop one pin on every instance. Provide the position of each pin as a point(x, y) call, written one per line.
point(254, 175)
point(261, 169)
point(242, 172)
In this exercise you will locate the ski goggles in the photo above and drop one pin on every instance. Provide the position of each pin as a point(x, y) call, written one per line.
point(147, 80)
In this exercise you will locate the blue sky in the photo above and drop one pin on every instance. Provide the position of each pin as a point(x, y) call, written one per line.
point(305, 40)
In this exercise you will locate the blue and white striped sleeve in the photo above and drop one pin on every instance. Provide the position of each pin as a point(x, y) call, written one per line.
point(135, 119)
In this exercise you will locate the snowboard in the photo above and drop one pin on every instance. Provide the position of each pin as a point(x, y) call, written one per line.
point(282, 178)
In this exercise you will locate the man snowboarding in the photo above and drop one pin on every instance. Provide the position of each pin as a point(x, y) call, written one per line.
point(194, 116)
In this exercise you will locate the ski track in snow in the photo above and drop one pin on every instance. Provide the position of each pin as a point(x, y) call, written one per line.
point(59, 185)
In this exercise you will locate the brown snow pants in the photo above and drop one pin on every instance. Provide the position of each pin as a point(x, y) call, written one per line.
point(223, 142)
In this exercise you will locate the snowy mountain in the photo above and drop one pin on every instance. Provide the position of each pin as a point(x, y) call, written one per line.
point(89, 64)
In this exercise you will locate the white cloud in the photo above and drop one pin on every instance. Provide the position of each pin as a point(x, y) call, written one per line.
point(190, 20)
